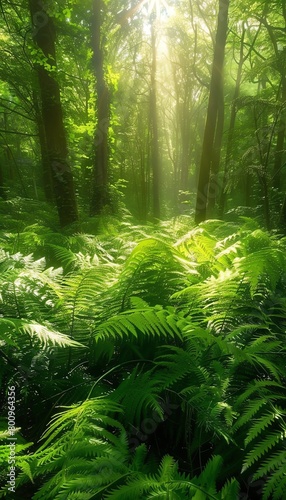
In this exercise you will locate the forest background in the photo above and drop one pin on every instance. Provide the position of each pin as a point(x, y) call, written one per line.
point(142, 261)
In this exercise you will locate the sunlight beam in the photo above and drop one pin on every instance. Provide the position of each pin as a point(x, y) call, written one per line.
point(148, 5)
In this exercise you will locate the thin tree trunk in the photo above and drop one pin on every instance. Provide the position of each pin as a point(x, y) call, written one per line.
point(143, 189)
point(7, 150)
point(100, 192)
point(155, 157)
point(212, 113)
point(62, 179)
point(2, 187)
point(282, 127)
point(3, 193)
point(215, 163)
point(230, 134)
point(278, 155)
point(264, 146)
point(278, 158)
point(185, 141)
point(176, 152)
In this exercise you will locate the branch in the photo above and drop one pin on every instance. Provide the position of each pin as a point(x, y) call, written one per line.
point(14, 111)
point(17, 133)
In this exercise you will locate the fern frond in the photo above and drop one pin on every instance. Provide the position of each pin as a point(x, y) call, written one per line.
point(275, 461)
point(261, 387)
point(153, 265)
point(275, 485)
point(252, 408)
point(265, 263)
point(46, 335)
point(143, 389)
point(64, 256)
point(149, 322)
point(261, 449)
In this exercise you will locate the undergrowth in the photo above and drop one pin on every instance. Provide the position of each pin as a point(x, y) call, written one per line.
point(148, 362)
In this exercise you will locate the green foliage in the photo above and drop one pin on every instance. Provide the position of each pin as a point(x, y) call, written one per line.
point(167, 358)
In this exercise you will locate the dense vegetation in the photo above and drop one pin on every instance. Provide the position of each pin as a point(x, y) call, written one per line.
point(150, 361)
point(142, 250)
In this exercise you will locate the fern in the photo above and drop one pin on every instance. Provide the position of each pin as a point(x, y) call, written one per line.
point(144, 390)
point(44, 334)
point(147, 322)
point(78, 440)
point(168, 483)
point(187, 336)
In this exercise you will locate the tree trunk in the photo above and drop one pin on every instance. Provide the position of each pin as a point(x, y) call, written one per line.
point(2, 187)
point(143, 187)
point(230, 134)
point(215, 162)
point(185, 141)
point(282, 126)
point(62, 179)
point(100, 193)
point(155, 157)
point(46, 167)
point(212, 113)
point(278, 158)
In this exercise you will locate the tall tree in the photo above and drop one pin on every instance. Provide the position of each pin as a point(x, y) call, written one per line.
point(213, 113)
point(234, 108)
point(282, 125)
point(281, 62)
point(155, 156)
point(100, 193)
point(2, 187)
point(62, 179)
point(45, 160)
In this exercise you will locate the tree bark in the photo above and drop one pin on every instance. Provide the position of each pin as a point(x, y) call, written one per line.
point(212, 113)
point(52, 114)
point(45, 161)
point(100, 189)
